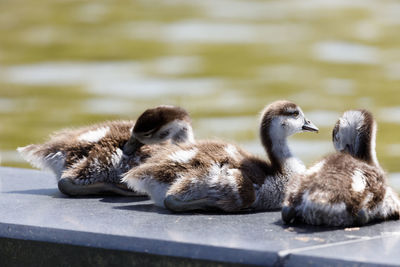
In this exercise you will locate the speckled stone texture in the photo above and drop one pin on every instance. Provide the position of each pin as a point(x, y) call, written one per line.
point(41, 227)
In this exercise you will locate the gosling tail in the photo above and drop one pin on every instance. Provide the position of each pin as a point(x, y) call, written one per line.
point(43, 158)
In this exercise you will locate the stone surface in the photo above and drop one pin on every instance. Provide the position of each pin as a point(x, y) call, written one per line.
point(124, 230)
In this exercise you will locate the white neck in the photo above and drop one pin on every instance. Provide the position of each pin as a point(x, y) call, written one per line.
point(279, 147)
point(184, 137)
point(184, 134)
point(280, 151)
point(190, 138)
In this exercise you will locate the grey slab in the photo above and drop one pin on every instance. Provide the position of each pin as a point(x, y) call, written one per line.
point(372, 251)
point(32, 209)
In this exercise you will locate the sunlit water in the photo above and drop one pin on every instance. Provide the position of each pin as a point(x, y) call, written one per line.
point(73, 63)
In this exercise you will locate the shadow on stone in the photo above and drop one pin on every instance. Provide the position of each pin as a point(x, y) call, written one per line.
point(53, 192)
point(123, 199)
point(302, 228)
point(144, 208)
point(219, 212)
point(150, 207)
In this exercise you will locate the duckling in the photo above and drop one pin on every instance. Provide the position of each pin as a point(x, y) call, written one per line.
point(347, 188)
point(91, 160)
point(213, 174)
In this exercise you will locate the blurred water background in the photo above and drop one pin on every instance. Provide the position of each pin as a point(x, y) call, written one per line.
point(68, 63)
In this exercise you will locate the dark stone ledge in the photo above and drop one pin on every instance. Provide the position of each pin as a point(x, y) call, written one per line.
point(40, 226)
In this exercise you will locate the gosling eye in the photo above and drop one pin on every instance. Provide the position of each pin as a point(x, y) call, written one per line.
point(164, 134)
point(147, 135)
point(295, 113)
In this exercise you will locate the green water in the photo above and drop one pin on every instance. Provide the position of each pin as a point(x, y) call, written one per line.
point(70, 63)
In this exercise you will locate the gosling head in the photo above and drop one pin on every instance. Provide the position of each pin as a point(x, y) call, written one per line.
point(355, 133)
point(160, 124)
point(283, 118)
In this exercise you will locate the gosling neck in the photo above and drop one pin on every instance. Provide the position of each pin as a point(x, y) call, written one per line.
point(184, 135)
point(365, 147)
point(276, 146)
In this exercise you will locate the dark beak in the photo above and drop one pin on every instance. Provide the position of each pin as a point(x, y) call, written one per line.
point(132, 146)
point(309, 126)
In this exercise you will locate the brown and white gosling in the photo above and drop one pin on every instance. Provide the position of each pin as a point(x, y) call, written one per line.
point(91, 160)
point(347, 188)
point(212, 174)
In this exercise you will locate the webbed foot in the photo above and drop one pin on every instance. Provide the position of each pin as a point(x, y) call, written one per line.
point(176, 205)
point(68, 187)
